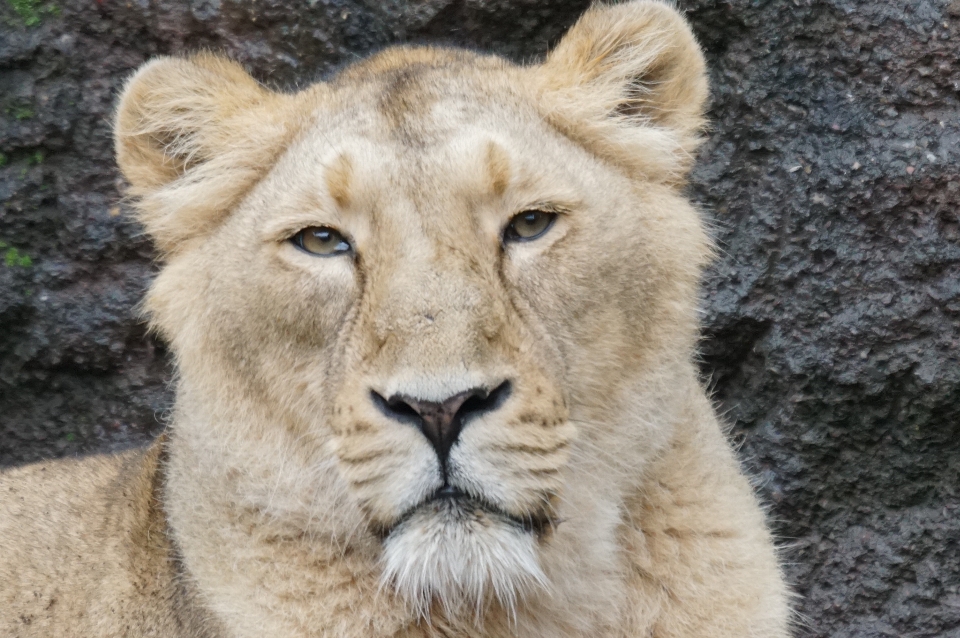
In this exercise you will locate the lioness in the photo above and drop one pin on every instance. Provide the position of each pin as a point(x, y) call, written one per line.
point(435, 323)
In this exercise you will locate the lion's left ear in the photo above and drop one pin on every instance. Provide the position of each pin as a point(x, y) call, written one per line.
point(192, 136)
point(631, 76)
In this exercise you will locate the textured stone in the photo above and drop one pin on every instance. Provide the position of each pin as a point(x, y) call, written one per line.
point(832, 314)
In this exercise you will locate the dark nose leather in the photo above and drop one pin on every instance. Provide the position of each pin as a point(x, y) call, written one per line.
point(442, 422)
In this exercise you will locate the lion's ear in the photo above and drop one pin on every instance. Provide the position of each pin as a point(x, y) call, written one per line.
point(632, 68)
point(192, 136)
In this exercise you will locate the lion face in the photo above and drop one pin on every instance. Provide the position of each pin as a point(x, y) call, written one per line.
point(454, 284)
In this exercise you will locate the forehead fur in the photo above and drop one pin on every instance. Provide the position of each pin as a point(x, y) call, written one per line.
point(413, 94)
point(627, 84)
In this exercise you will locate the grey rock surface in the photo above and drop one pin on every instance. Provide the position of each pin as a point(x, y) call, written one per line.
point(832, 314)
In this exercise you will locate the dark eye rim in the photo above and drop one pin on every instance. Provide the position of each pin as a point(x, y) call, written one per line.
point(510, 234)
point(297, 240)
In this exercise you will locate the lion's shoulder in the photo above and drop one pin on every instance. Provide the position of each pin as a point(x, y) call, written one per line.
point(79, 534)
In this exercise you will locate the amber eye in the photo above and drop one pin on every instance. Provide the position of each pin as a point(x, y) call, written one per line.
point(321, 240)
point(528, 225)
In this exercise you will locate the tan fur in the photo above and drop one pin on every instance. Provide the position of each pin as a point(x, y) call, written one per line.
point(284, 502)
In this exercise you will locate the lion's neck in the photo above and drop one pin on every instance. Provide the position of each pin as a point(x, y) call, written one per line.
point(151, 549)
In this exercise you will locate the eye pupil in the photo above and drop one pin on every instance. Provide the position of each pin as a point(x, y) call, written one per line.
point(321, 240)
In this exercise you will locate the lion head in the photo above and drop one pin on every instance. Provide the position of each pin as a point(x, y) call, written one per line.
point(437, 308)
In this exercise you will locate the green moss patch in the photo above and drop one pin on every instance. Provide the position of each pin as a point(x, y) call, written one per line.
point(14, 258)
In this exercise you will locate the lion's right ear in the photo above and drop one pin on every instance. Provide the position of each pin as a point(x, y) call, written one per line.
point(629, 82)
point(192, 136)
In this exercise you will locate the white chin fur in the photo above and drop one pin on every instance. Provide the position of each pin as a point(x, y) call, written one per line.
point(461, 557)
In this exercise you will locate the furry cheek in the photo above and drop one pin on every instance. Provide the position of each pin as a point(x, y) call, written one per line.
point(516, 466)
point(389, 470)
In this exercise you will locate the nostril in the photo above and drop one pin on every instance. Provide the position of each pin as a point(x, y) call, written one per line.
point(482, 401)
point(396, 408)
point(402, 408)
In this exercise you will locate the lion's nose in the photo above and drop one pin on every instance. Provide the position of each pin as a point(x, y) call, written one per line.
point(441, 422)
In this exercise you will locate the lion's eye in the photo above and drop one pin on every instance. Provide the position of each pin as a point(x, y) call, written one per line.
point(321, 240)
point(530, 224)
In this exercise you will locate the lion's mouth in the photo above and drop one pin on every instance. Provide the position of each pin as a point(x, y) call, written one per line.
point(452, 503)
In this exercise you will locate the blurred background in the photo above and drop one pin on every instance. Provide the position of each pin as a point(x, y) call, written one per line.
point(832, 316)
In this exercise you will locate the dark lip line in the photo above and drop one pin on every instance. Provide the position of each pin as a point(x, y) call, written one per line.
point(538, 525)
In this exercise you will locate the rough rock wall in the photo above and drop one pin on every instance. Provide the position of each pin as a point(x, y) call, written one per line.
point(832, 315)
